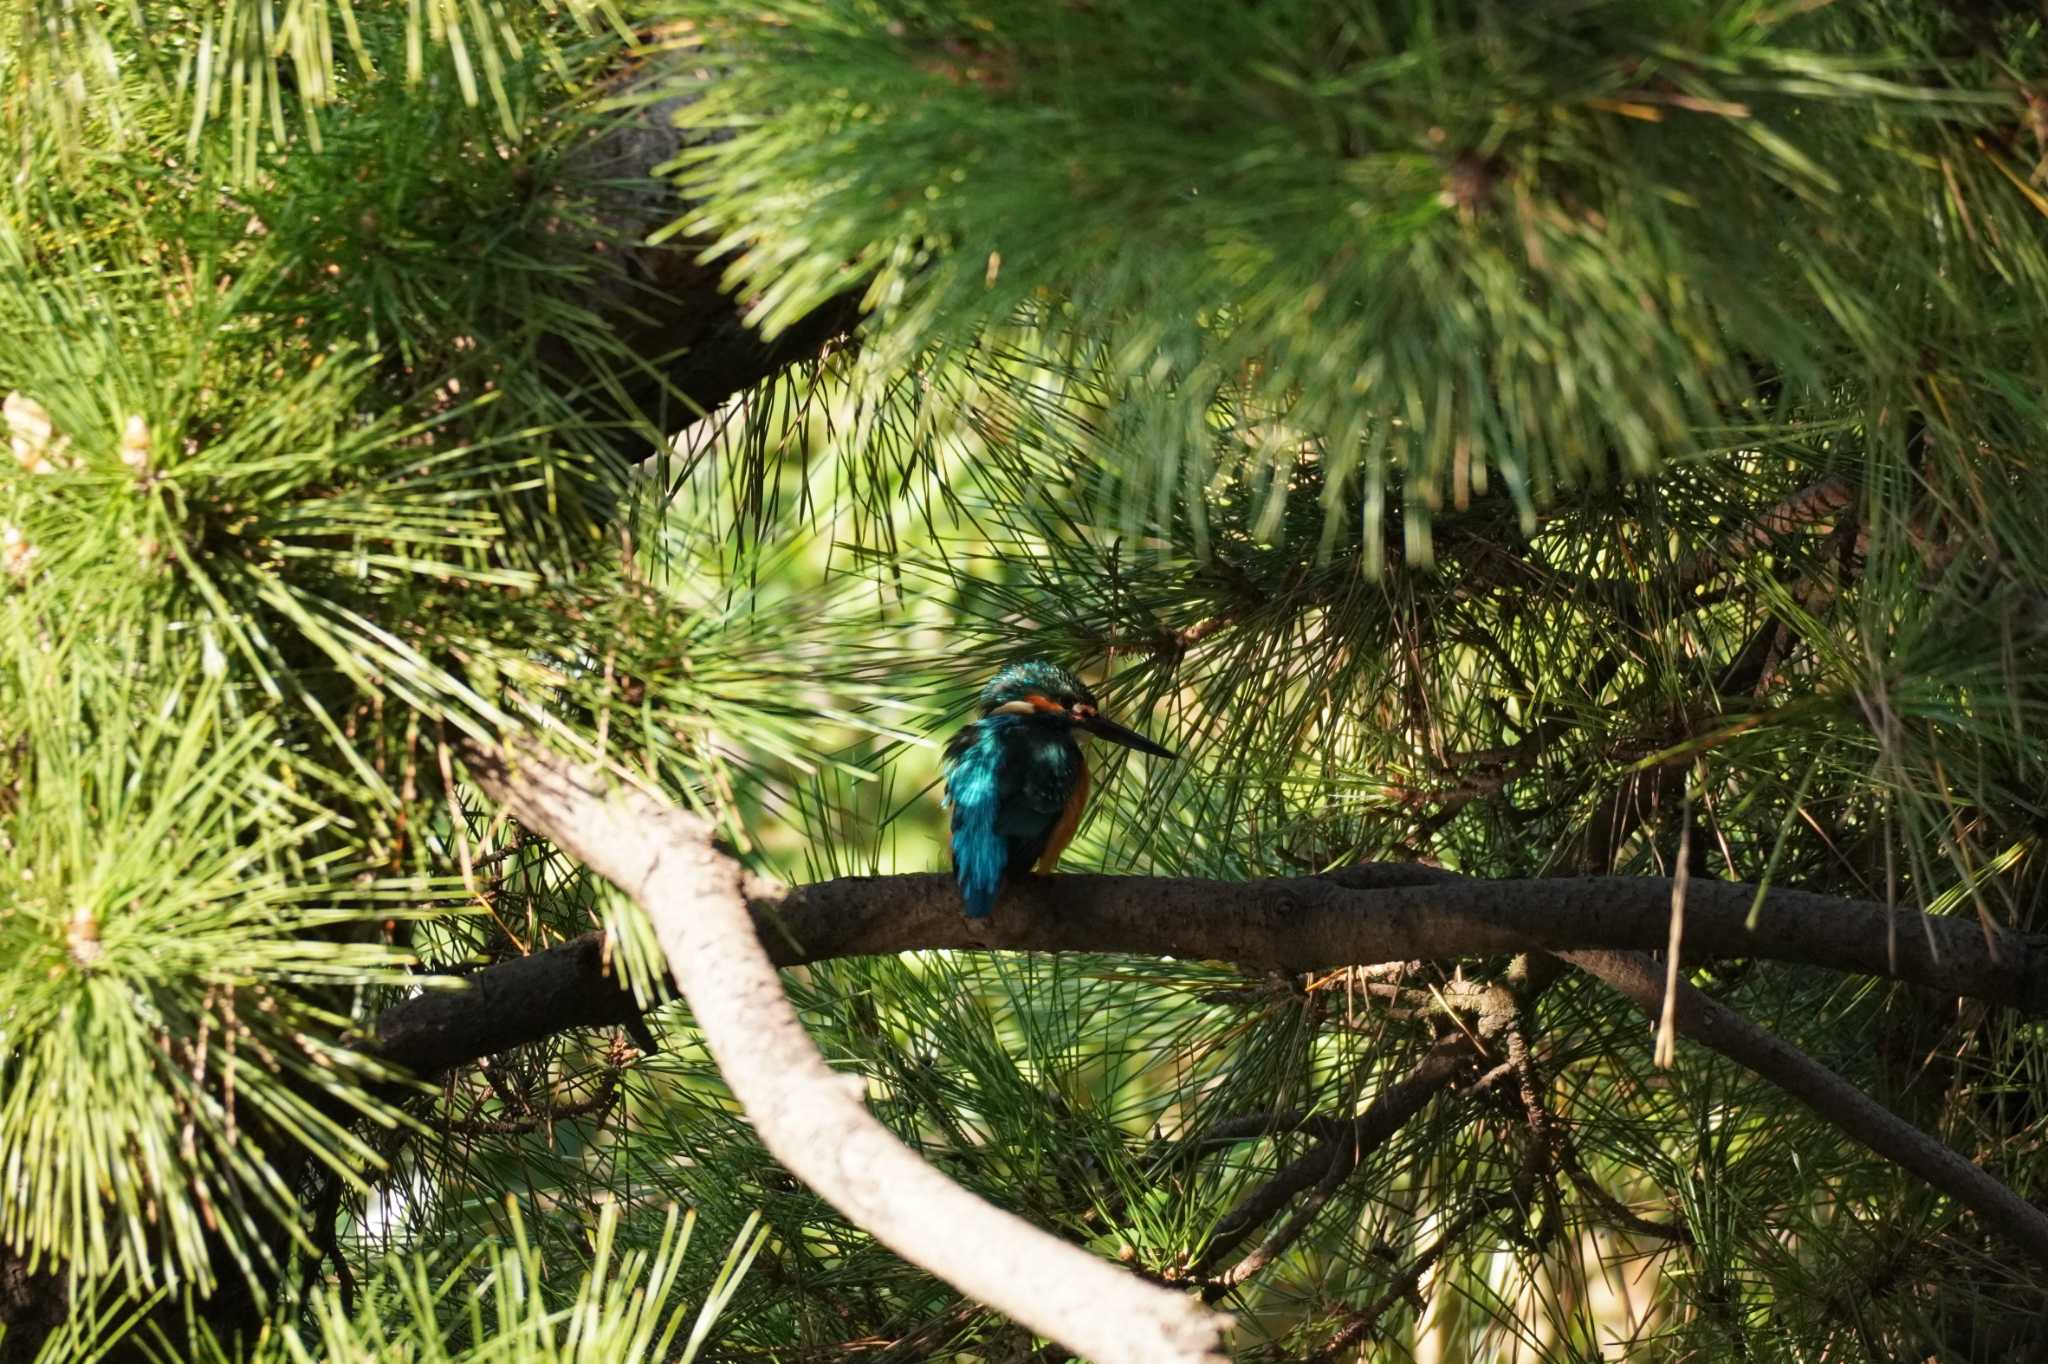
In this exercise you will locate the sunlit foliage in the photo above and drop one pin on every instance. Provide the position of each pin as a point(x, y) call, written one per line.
point(1544, 438)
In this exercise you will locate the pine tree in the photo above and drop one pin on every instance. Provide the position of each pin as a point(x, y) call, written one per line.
point(500, 495)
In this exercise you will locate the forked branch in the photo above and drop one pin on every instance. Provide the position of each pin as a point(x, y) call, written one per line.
point(1327, 1164)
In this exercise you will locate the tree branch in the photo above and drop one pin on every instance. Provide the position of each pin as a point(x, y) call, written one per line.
point(1289, 924)
point(515, 1003)
point(1307, 924)
point(1814, 505)
point(664, 302)
point(1328, 1164)
point(1861, 1118)
point(811, 1118)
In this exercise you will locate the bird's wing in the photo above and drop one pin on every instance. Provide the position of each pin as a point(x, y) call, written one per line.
point(973, 790)
point(974, 770)
point(956, 749)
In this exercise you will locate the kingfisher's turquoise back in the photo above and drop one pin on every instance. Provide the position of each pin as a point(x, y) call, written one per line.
point(1008, 781)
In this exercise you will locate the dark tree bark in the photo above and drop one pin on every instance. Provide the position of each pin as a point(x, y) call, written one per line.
point(1293, 924)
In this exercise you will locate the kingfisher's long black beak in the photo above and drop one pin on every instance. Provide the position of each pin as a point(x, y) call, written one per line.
point(1116, 733)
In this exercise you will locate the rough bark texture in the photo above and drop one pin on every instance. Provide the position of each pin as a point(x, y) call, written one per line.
point(1309, 923)
point(518, 1001)
point(1294, 924)
point(810, 1117)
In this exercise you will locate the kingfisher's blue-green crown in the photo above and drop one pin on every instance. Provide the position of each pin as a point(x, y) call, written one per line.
point(1034, 677)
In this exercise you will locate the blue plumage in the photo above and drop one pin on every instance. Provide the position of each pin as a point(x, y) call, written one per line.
point(1008, 779)
point(1016, 780)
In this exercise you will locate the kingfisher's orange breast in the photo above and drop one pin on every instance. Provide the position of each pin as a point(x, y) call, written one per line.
point(1070, 820)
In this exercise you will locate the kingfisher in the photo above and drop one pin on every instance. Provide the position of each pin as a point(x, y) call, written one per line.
point(1016, 779)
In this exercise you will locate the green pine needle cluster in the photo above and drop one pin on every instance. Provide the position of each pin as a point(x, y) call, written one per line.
point(1570, 438)
point(1480, 245)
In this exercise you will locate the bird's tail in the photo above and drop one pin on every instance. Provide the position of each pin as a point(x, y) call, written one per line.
point(978, 863)
point(980, 900)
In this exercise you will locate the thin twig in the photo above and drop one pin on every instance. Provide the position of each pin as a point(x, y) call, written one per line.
point(1814, 505)
point(1555, 1146)
point(595, 1107)
point(1666, 1051)
point(324, 1219)
point(1338, 1154)
point(1405, 1285)
point(1618, 1213)
point(1346, 1157)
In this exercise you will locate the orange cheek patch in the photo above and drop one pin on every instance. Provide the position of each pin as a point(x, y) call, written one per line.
point(1040, 703)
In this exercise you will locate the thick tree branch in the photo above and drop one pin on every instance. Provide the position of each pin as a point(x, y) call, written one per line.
point(517, 1002)
point(1305, 924)
point(663, 302)
point(1863, 1119)
point(1291, 924)
point(811, 1118)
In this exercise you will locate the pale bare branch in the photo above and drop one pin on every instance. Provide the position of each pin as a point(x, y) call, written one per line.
point(810, 1117)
